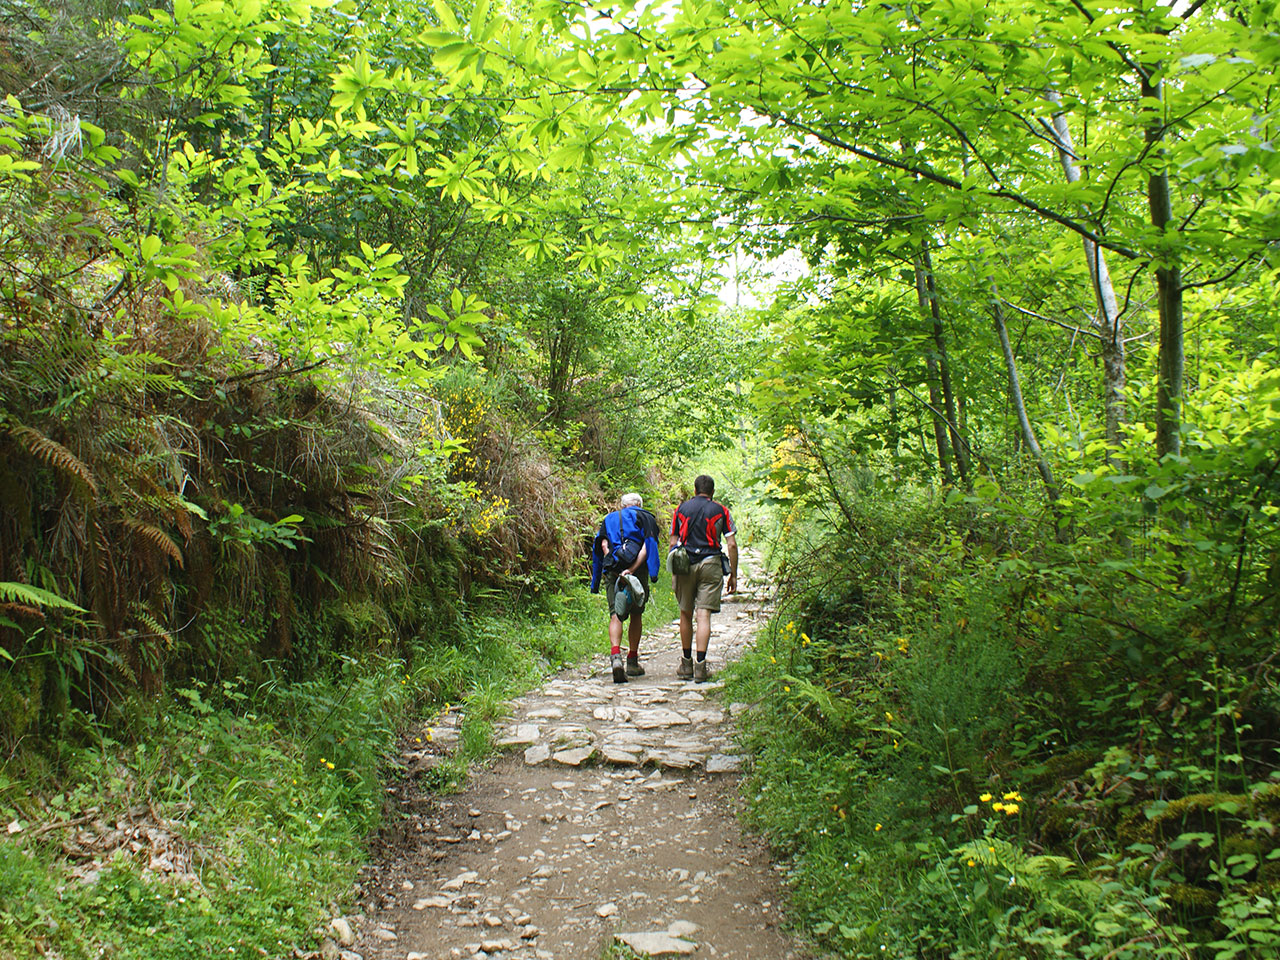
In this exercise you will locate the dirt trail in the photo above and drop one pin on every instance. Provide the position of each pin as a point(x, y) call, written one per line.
point(612, 814)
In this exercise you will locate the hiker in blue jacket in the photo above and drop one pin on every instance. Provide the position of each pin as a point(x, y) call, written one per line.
point(625, 555)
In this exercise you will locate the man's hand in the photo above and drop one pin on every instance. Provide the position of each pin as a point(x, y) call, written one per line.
point(732, 586)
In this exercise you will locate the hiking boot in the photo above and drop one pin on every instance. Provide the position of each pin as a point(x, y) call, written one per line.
point(633, 667)
point(700, 672)
point(619, 670)
point(685, 670)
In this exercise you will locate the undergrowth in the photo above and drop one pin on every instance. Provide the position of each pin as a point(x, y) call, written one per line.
point(966, 751)
point(235, 821)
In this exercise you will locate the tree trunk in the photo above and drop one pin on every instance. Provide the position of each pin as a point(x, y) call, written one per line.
point(895, 433)
point(1109, 324)
point(1020, 408)
point(935, 401)
point(1168, 294)
point(944, 369)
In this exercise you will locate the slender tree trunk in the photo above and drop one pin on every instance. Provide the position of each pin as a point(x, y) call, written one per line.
point(944, 368)
point(1051, 489)
point(895, 433)
point(1109, 324)
point(1168, 294)
point(935, 400)
point(924, 439)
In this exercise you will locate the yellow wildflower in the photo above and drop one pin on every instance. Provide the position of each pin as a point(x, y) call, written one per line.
point(786, 688)
point(878, 827)
point(991, 849)
point(888, 716)
point(1013, 795)
point(972, 863)
point(329, 764)
point(773, 659)
point(997, 806)
point(985, 798)
point(1010, 808)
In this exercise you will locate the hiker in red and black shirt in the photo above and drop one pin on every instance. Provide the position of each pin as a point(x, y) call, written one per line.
point(705, 529)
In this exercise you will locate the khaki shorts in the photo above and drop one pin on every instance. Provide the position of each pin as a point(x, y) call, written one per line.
point(611, 589)
point(700, 588)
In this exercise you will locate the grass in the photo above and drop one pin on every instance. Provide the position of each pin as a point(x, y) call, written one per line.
point(617, 950)
point(234, 820)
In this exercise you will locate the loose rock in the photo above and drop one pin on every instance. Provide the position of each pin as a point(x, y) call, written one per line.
point(657, 944)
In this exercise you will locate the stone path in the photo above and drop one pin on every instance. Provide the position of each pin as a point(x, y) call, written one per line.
point(611, 815)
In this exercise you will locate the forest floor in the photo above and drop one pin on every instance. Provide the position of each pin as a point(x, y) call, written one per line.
point(612, 817)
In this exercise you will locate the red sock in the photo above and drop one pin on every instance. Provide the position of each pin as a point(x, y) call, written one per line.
point(615, 650)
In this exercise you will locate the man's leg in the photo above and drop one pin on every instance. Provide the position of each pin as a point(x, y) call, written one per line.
point(685, 670)
point(704, 632)
point(615, 634)
point(701, 673)
point(634, 632)
point(615, 649)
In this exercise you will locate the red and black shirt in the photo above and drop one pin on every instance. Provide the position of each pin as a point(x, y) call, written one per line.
point(700, 524)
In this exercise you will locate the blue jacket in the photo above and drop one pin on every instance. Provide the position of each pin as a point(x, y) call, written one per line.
point(629, 523)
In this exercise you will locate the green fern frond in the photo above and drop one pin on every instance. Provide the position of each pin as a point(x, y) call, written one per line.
point(150, 624)
point(35, 597)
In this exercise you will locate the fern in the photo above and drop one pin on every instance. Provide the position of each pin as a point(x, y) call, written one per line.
point(150, 624)
point(28, 595)
point(156, 537)
point(54, 454)
point(1051, 881)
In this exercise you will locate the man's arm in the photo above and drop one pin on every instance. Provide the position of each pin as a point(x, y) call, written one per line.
point(731, 542)
point(640, 558)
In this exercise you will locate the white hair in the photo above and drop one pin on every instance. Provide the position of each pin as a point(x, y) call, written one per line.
point(632, 500)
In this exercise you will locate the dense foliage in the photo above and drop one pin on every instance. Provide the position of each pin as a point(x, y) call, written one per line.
point(298, 442)
point(323, 322)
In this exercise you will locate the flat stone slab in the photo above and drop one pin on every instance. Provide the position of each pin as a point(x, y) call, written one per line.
point(707, 716)
point(673, 759)
point(571, 735)
point(538, 753)
point(619, 714)
point(619, 756)
point(522, 735)
point(575, 757)
point(545, 713)
point(625, 736)
point(723, 763)
point(661, 717)
point(435, 902)
point(660, 944)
